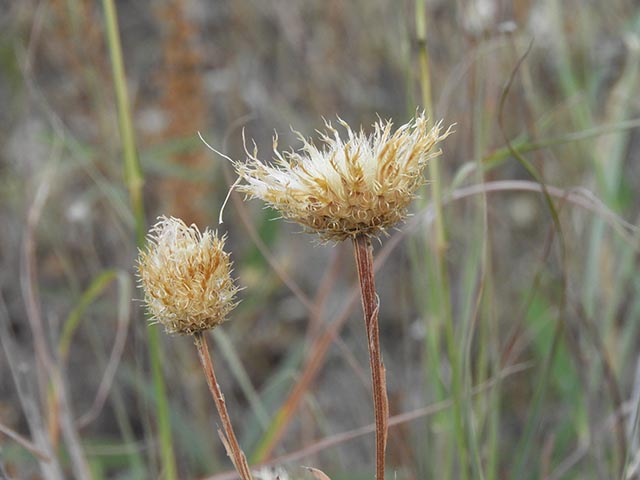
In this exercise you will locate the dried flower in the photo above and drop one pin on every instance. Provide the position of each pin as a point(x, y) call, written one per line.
point(360, 185)
point(271, 473)
point(186, 276)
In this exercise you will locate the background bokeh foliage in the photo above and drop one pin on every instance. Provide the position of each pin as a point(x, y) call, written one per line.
point(543, 332)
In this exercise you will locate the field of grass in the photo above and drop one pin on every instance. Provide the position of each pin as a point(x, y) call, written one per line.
point(509, 299)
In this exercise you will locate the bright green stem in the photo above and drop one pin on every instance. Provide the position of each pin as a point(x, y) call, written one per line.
point(134, 180)
point(456, 374)
point(132, 170)
point(423, 55)
point(441, 247)
point(162, 406)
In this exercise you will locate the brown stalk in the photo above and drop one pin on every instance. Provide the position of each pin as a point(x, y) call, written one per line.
point(370, 305)
point(229, 438)
point(400, 419)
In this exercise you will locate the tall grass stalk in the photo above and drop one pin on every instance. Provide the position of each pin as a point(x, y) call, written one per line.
point(134, 180)
point(442, 273)
point(482, 304)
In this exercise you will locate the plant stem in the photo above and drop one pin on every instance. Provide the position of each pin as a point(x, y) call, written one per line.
point(133, 171)
point(370, 305)
point(134, 180)
point(423, 55)
point(441, 245)
point(229, 438)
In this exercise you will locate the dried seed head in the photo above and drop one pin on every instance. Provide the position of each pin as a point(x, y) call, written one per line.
point(271, 473)
point(186, 276)
point(358, 185)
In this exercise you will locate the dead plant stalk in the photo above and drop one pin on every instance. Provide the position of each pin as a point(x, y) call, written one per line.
point(229, 437)
point(364, 261)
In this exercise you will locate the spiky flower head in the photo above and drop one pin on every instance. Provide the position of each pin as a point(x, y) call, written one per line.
point(358, 185)
point(186, 276)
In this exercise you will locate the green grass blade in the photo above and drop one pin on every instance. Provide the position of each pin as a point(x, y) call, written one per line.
point(134, 180)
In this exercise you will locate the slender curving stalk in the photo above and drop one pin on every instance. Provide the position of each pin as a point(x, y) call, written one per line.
point(441, 245)
point(364, 261)
point(228, 437)
point(134, 179)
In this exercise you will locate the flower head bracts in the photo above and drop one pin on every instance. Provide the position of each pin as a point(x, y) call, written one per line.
point(358, 185)
point(186, 277)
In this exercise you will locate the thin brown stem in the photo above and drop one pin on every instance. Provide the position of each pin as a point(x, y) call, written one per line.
point(370, 305)
point(229, 437)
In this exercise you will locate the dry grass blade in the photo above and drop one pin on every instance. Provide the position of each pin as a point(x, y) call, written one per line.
point(24, 443)
point(17, 361)
point(48, 372)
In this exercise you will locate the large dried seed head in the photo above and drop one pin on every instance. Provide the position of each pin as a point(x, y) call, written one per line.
point(186, 276)
point(358, 185)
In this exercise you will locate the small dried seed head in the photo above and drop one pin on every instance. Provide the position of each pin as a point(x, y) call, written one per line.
point(186, 276)
point(358, 185)
point(271, 473)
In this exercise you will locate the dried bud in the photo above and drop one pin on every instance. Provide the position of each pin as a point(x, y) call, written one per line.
point(360, 185)
point(271, 473)
point(186, 276)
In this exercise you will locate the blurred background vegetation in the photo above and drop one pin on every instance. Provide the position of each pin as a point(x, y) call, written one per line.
point(512, 349)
